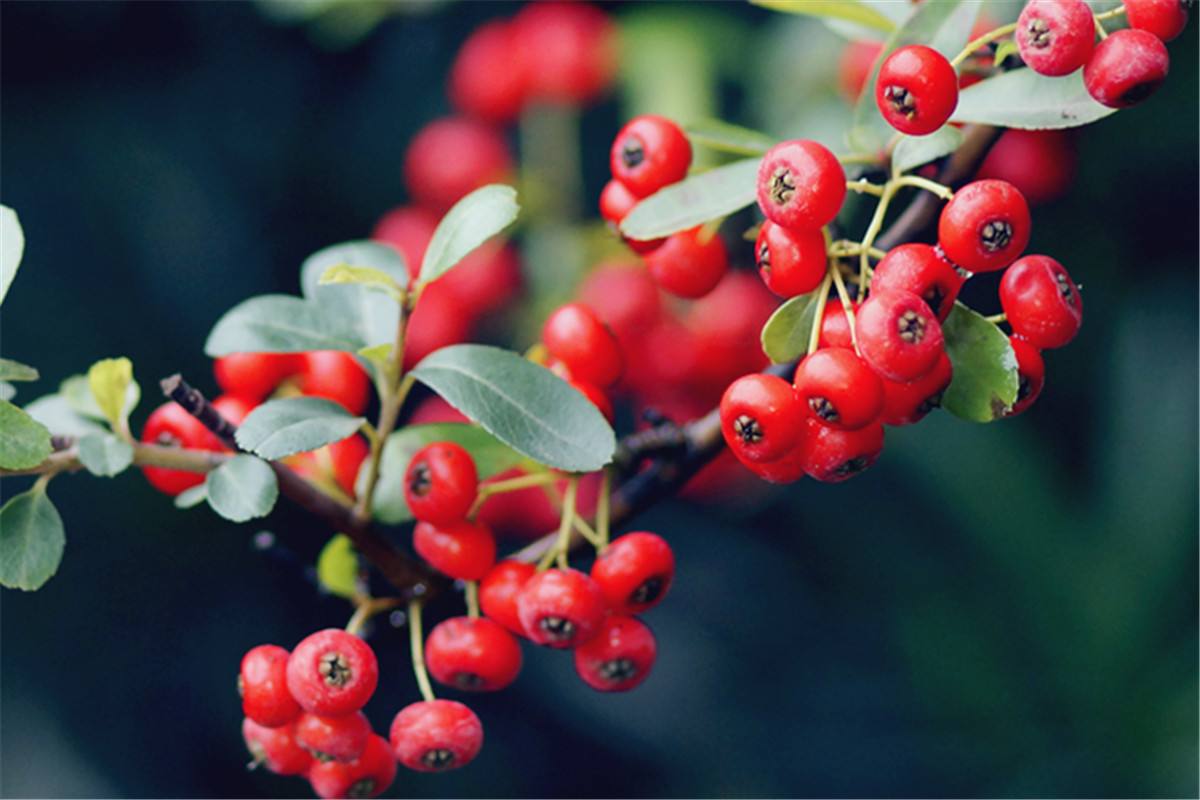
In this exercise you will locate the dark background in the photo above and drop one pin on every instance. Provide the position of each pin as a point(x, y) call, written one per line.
point(1007, 609)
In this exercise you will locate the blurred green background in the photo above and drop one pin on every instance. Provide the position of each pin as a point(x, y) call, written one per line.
point(1007, 609)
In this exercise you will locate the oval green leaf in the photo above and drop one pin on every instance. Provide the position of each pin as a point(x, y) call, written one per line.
point(16, 371)
point(337, 567)
point(104, 454)
point(12, 248)
point(31, 540)
point(786, 335)
point(985, 382)
point(77, 392)
point(279, 428)
point(109, 381)
point(473, 220)
point(24, 442)
point(693, 201)
point(277, 323)
point(241, 489)
point(1024, 99)
point(853, 11)
point(365, 314)
point(913, 151)
point(727, 138)
point(57, 413)
point(190, 498)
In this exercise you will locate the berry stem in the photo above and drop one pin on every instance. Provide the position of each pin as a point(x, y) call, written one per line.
point(997, 318)
point(416, 646)
point(563, 543)
point(868, 240)
point(603, 507)
point(814, 337)
point(844, 296)
point(1110, 14)
point(859, 158)
point(944, 192)
point(863, 186)
point(471, 596)
point(367, 607)
point(982, 41)
point(588, 533)
point(1103, 34)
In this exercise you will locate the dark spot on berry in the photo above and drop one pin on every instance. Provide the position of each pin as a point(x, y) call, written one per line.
point(362, 788)
point(782, 186)
point(557, 629)
point(1039, 33)
point(438, 759)
point(647, 592)
point(823, 409)
point(911, 327)
point(851, 466)
point(468, 681)
point(1065, 288)
point(633, 152)
point(901, 100)
point(934, 296)
point(335, 669)
point(995, 235)
point(618, 670)
point(420, 480)
point(1139, 92)
point(747, 429)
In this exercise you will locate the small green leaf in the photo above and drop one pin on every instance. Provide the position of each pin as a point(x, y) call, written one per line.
point(367, 277)
point(476, 218)
point(104, 454)
point(727, 138)
point(12, 248)
point(31, 540)
point(694, 200)
point(856, 32)
point(848, 10)
point(913, 151)
point(24, 442)
point(16, 371)
point(56, 413)
point(522, 404)
point(366, 316)
point(109, 380)
point(377, 353)
point(1006, 48)
point(190, 498)
point(279, 428)
point(985, 381)
point(7, 391)
point(337, 567)
point(786, 335)
point(276, 323)
point(243, 488)
point(1024, 99)
point(77, 392)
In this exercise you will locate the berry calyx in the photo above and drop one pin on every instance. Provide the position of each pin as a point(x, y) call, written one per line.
point(760, 417)
point(1041, 302)
point(909, 403)
point(1166, 19)
point(474, 655)
point(1055, 37)
point(917, 90)
point(441, 483)
point(332, 673)
point(499, 590)
point(839, 389)
point(341, 738)
point(1031, 374)
point(690, 263)
point(1126, 68)
point(560, 608)
point(574, 335)
point(920, 269)
point(634, 572)
point(369, 775)
point(985, 226)
point(650, 152)
point(276, 748)
point(463, 550)
point(436, 736)
point(619, 657)
point(831, 455)
point(898, 335)
point(262, 683)
point(801, 184)
point(790, 261)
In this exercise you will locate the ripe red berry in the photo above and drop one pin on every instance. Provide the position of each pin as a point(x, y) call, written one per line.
point(335, 376)
point(233, 408)
point(835, 326)
point(1166, 19)
point(332, 673)
point(483, 82)
point(760, 417)
point(908, 403)
point(854, 67)
point(619, 657)
point(1126, 68)
point(831, 455)
point(567, 51)
point(1041, 302)
point(898, 335)
point(920, 269)
point(575, 336)
point(499, 590)
point(1041, 164)
point(839, 388)
point(788, 469)
point(436, 736)
point(255, 375)
point(450, 157)
point(917, 90)
point(790, 261)
point(560, 608)
point(369, 775)
point(441, 483)
point(262, 683)
point(595, 396)
point(616, 201)
point(463, 550)
point(801, 184)
point(336, 464)
point(276, 748)
point(985, 226)
point(1055, 37)
point(475, 655)
point(408, 229)
point(341, 738)
point(485, 280)
point(1031, 374)
point(634, 572)
point(649, 153)
point(170, 425)
point(689, 264)
point(625, 298)
point(439, 320)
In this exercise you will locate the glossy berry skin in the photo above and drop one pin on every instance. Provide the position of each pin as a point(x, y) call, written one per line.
point(801, 184)
point(262, 683)
point(839, 389)
point(634, 572)
point(1126, 68)
point(276, 748)
point(336, 464)
point(560, 608)
point(436, 736)
point(441, 483)
point(985, 226)
point(499, 590)
point(625, 298)
point(1055, 37)
point(898, 335)
point(760, 417)
point(909, 403)
point(474, 655)
point(369, 775)
point(616, 201)
point(790, 261)
point(439, 320)
point(595, 395)
point(619, 657)
point(170, 425)
point(255, 375)
point(567, 51)
point(917, 90)
point(1031, 374)
point(335, 376)
point(649, 153)
point(1166, 19)
point(835, 327)
point(575, 336)
point(920, 269)
point(788, 469)
point(463, 550)
point(483, 83)
point(332, 673)
point(338, 738)
point(449, 158)
point(854, 67)
point(832, 456)
point(1041, 302)
point(689, 264)
point(1041, 164)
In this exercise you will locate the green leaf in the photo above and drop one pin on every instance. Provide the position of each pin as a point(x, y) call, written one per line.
point(77, 391)
point(276, 323)
point(16, 371)
point(1024, 99)
point(366, 277)
point(522, 404)
point(31, 540)
point(848, 10)
point(913, 151)
point(242, 488)
point(694, 200)
point(727, 138)
point(279, 428)
point(337, 567)
point(24, 442)
point(366, 315)
point(104, 454)
point(786, 335)
point(897, 13)
point(190, 498)
point(985, 380)
point(7, 391)
point(56, 413)
point(109, 380)
point(490, 454)
point(12, 247)
point(476, 218)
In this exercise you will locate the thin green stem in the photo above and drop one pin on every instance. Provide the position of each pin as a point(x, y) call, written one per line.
point(1111, 14)
point(844, 296)
point(562, 544)
point(416, 646)
point(487, 490)
point(864, 262)
point(1103, 34)
point(997, 318)
point(604, 507)
point(814, 337)
point(471, 596)
point(982, 41)
point(863, 186)
point(916, 181)
point(859, 158)
point(587, 532)
point(391, 403)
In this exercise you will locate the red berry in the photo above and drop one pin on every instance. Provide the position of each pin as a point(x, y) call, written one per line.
point(1041, 302)
point(854, 67)
point(689, 264)
point(276, 748)
point(917, 90)
point(1166, 19)
point(567, 51)
point(463, 550)
point(560, 608)
point(1126, 68)
point(908, 403)
point(835, 326)
point(790, 261)
point(441, 483)
point(1031, 374)
point(262, 683)
point(839, 389)
point(575, 336)
point(483, 82)
point(634, 572)
point(408, 229)
point(498, 592)
point(1055, 37)
point(254, 375)
point(760, 417)
point(335, 376)
point(485, 280)
point(616, 201)
point(334, 738)
point(233, 408)
point(649, 153)
point(985, 226)
point(369, 775)
point(595, 395)
point(475, 655)
point(436, 735)
point(336, 464)
point(898, 335)
point(801, 184)
point(831, 455)
point(170, 425)
point(619, 657)
point(332, 673)
point(439, 320)
point(450, 157)
point(1041, 164)
point(625, 298)
point(920, 269)
point(788, 469)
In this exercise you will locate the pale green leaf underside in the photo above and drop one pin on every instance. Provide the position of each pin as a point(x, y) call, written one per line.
point(241, 489)
point(104, 454)
point(24, 442)
point(473, 220)
point(1024, 99)
point(281, 428)
point(693, 201)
